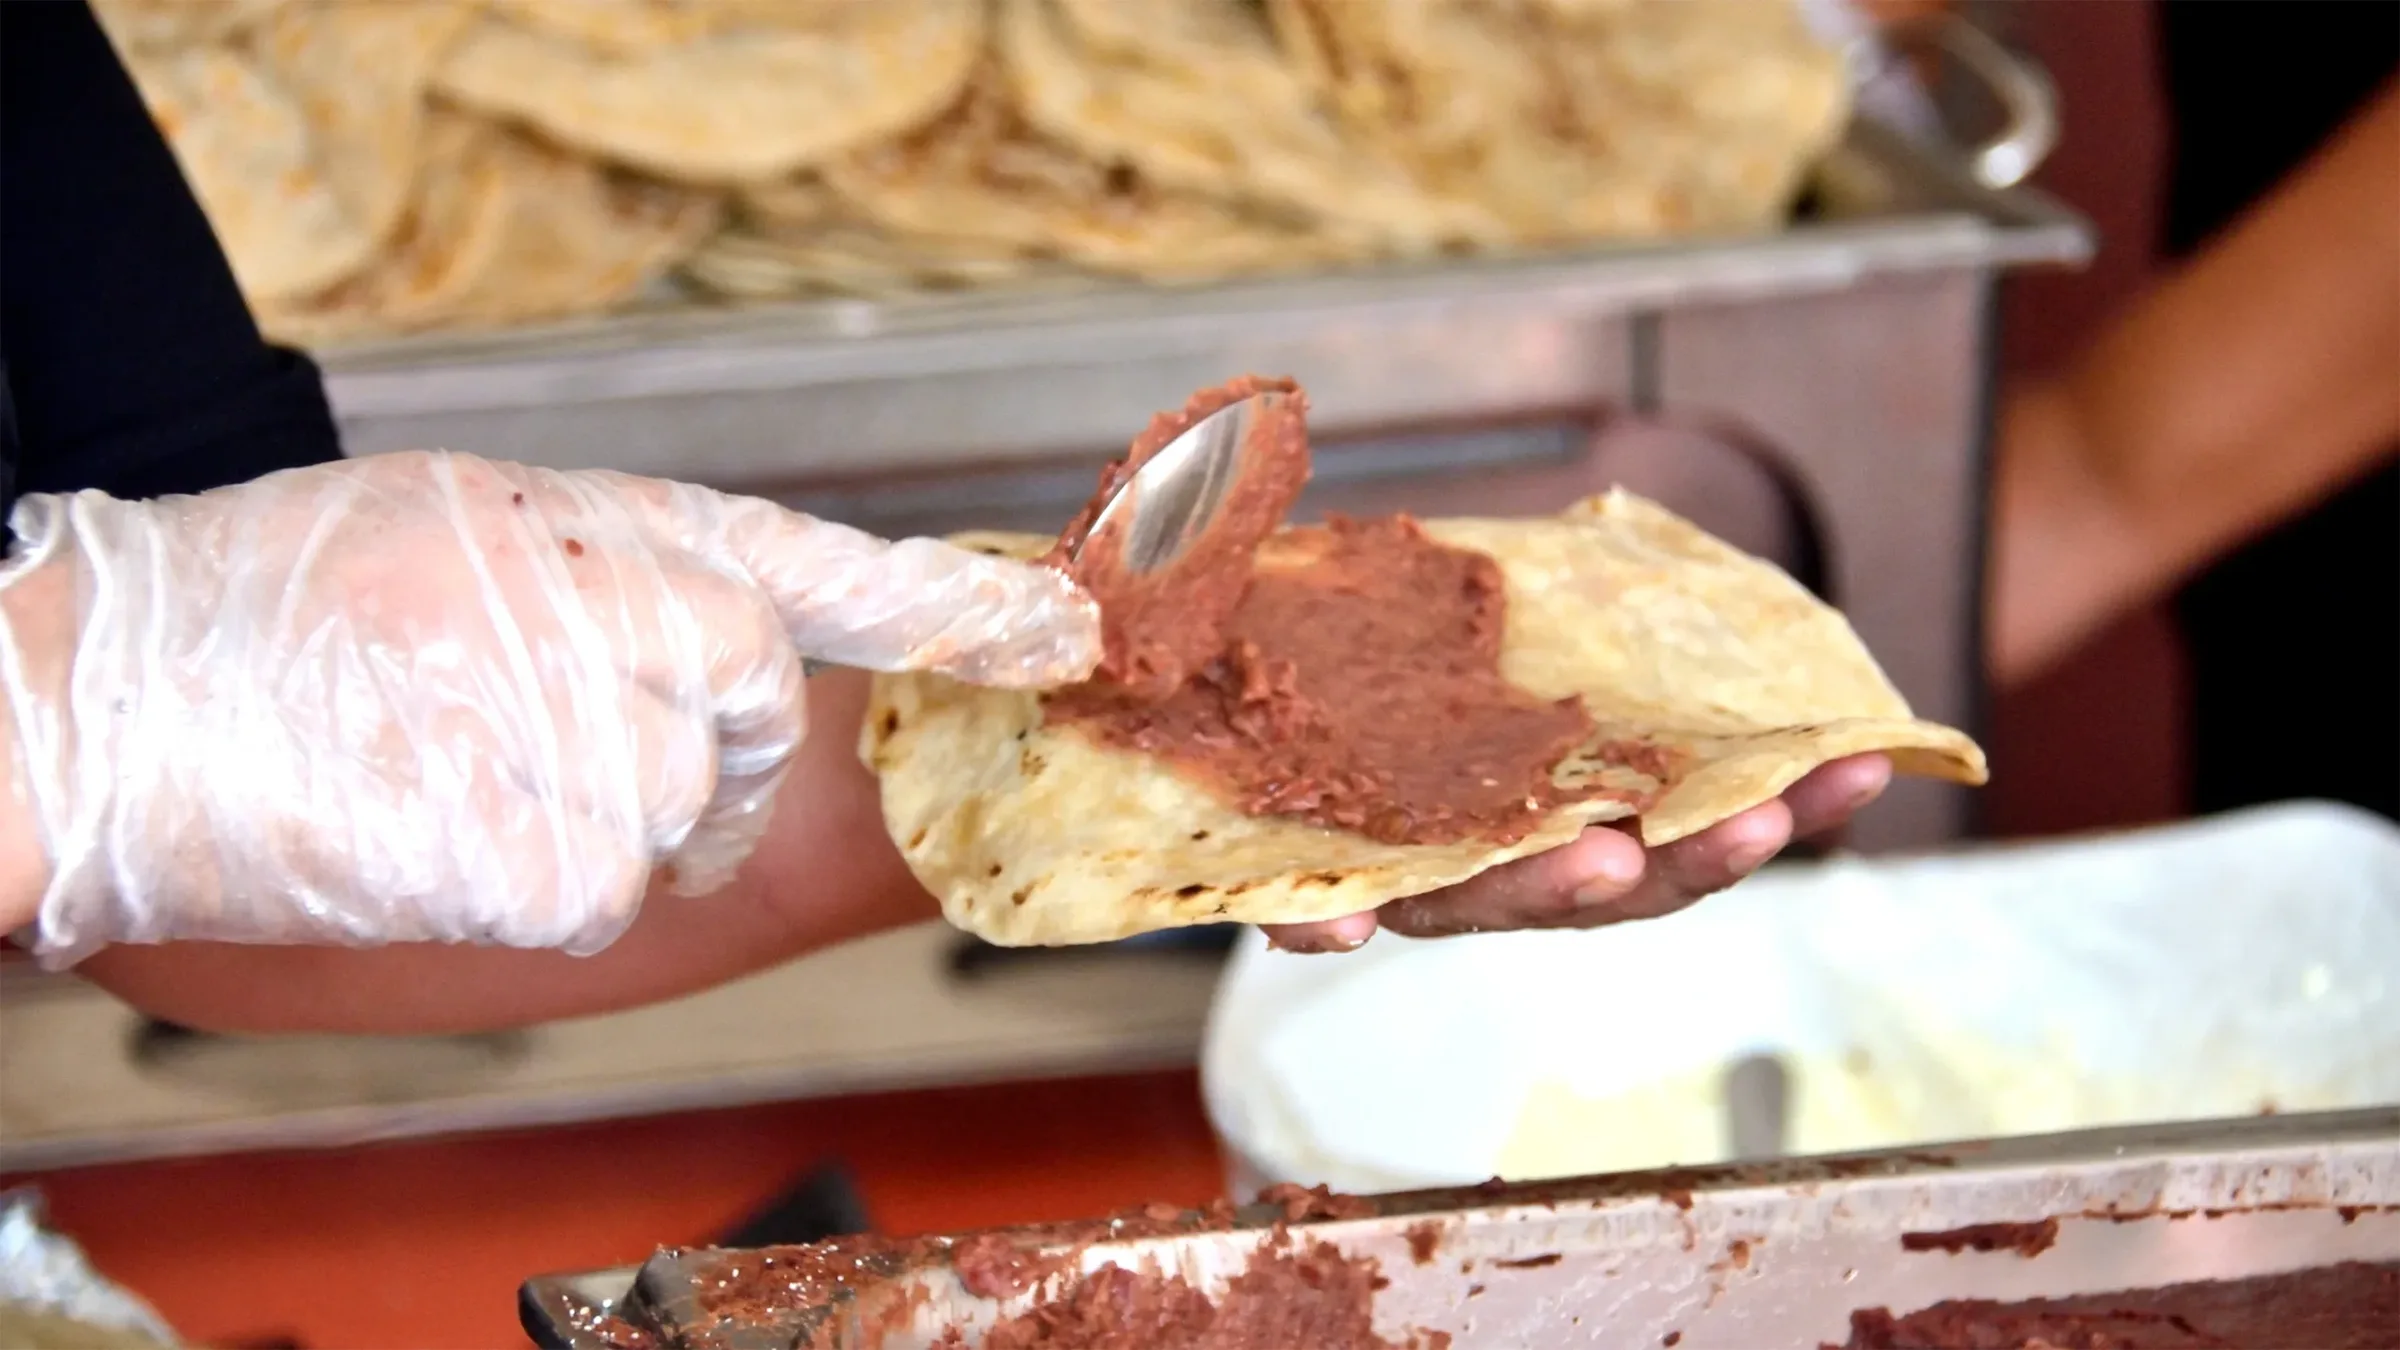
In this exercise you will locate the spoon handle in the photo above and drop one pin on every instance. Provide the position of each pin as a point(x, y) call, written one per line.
point(1757, 1104)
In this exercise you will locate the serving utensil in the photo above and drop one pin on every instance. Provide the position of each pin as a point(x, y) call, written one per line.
point(1173, 498)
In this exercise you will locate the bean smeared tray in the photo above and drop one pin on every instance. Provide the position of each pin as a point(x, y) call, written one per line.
point(1779, 1253)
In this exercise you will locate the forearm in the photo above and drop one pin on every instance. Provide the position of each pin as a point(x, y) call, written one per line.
point(826, 872)
point(23, 868)
point(2254, 382)
point(37, 609)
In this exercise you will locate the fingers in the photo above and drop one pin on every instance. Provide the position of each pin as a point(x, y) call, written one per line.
point(701, 712)
point(850, 598)
point(1601, 878)
point(1605, 876)
point(1535, 892)
point(760, 713)
point(1835, 791)
point(575, 888)
point(1324, 935)
point(921, 604)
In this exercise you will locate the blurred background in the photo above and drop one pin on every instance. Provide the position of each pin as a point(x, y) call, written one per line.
point(920, 266)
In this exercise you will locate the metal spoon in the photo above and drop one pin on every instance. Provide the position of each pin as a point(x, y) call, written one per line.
point(1757, 1107)
point(1173, 498)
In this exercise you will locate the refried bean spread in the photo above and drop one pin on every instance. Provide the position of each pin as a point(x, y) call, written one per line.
point(2351, 1306)
point(1348, 674)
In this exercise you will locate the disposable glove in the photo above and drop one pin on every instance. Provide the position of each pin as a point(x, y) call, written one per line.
point(428, 697)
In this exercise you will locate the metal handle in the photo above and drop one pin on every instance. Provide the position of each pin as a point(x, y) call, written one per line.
point(1757, 1107)
point(2028, 100)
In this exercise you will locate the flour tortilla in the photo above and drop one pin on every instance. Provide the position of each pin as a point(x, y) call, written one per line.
point(633, 26)
point(982, 172)
point(359, 71)
point(1205, 102)
point(503, 228)
point(301, 137)
point(1581, 119)
point(756, 261)
point(803, 199)
point(166, 25)
point(729, 103)
point(580, 236)
point(1036, 835)
point(245, 146)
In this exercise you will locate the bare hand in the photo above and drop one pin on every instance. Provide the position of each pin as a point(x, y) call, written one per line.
point(1606, 876)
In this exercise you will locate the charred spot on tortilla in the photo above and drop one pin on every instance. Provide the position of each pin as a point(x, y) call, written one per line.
point(1335, 716)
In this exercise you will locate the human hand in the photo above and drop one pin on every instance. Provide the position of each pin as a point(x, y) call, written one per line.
point(426, 697)
point(1606, 876)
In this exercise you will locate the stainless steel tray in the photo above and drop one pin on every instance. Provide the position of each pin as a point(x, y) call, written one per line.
point(1738, 1257)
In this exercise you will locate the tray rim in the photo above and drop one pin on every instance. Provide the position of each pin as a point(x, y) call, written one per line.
point(549, 1305)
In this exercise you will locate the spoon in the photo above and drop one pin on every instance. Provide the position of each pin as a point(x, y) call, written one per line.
point(1757, 1107)
point(1172, 499)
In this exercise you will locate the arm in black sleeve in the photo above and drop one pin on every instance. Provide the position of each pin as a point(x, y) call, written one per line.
point(130, 359)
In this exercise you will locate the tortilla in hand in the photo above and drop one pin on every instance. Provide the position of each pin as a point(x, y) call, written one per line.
point(1712, 681)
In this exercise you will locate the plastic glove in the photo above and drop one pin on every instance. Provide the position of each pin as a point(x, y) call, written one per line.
point(427, 697)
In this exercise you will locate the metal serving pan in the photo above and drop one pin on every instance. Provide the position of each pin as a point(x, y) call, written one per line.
point(1737, 1257)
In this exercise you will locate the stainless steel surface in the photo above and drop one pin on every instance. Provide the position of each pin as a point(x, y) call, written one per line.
point(2027, 101)
point(1175, 495)
point(1757, 1106)
point(1770, 1254)
point(1888, 452)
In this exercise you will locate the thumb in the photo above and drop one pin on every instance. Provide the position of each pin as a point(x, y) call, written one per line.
point(850, 598)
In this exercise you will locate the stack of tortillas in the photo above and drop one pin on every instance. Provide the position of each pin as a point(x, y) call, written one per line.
point(353, 200)
point(381, 166)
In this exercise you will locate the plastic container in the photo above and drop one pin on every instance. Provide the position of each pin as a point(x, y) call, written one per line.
point(2218, 968)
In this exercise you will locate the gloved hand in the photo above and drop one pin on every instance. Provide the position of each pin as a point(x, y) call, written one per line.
point(427, 697)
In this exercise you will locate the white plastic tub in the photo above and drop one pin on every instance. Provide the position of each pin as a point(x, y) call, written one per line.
point(2218, 968)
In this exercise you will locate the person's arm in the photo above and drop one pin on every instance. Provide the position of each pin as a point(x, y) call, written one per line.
point(826, 873)
point(2255, 381)
point(24, 866)
point(128, 361)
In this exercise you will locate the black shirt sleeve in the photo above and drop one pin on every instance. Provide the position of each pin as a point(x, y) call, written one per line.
point(128, 360)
